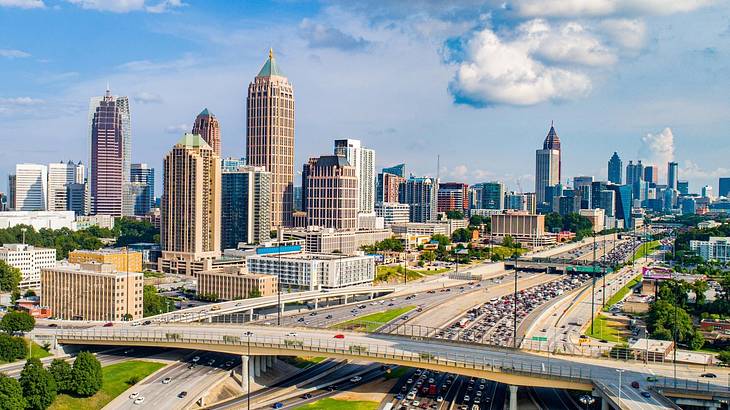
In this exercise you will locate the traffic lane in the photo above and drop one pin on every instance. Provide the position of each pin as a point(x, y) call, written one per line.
point(324, 393)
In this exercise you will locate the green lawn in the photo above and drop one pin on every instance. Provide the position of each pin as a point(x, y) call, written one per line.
point(607, 329)
point(115, 378)
point(394, 274)
point(301, 362)
point(370, 323)
point(334, 404)
point(398, 372)
point(37, 351)
point(622, 292)
point(646, 248)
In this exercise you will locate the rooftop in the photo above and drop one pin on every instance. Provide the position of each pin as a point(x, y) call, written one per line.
point(193, 140)
point(270, 67)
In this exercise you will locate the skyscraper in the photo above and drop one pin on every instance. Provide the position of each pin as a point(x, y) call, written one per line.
point(672, 175)
point(363, 159)
point(143, 188)
point(453, 196)
point(724, 187)
point(31, 187)
point(422, 196)
point(651, 174)
point(615, 169)
point(191, 206)
point(489, 195)
point(60, 176)
point(547, 164)
point(399, 170)
point(11, 191)
point(206, 125)
point(245, 206)
point(110, 135)
point(387, 187)
point(270, 136)
point(330, 183)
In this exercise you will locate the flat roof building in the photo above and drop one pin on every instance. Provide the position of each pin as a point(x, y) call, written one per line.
point(235, 282)
point(30, 260)
point(312, 271)
point(122, 259)
point(716, 248)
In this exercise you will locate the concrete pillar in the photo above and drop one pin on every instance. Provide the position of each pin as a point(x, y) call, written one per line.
point(257, 366)
point(250, 315)
point(270, 361)
point(244, 373)
point(512, 397)
point(281, 307)
point(604, 403)
point(316, 304)
point(264, 364)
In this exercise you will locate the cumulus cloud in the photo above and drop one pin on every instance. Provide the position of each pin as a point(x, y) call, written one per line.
point(18, 105)
point(9, 53)
point(692, 170)
point(320, 36)
point(23, 4)
point(148, 98)
point(571, 42)
point(177, 129)
point(599, 8)
point(627, 33)
point(496, 71)
point(658, 148)
point(126, 6)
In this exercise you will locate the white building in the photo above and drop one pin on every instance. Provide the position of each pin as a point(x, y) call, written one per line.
point(38, 219)
point(363, 159)
point(312, 271)
point(30, 260)
point(328, 240)
point(31, 187)
point(60, 176)
point(392, 213)
point(717, 248)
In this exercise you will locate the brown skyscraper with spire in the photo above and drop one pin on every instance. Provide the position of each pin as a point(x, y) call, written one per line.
point(270, 136)
point(206, 125)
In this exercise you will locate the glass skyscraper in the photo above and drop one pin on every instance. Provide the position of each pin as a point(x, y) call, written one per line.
point(615, 169)
point(143, 188)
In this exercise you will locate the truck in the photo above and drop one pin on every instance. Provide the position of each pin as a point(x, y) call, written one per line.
point(432, 390)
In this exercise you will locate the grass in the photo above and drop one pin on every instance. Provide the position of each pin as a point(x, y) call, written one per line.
point(394, 274)
point(398, 372)
point(150, 274)
point(335, 404)
point(607, 329)
point(37, 351)
point(370, 323)
point(301, 362)
point(115, 378)
point(618, 296)
point(646, 248)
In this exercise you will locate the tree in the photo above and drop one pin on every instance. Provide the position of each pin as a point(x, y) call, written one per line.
point(724, 357)
point(700, 287)
point(62, 373)
point(454, 214)
point(254, 293)
point(442, 240)
point(133, 231)
point(39, 388)
point(14, 296)
point(666, 319)
point(29, 293)
point(461, 235)
point(508, 242)
point(553, 222)
point(9, 277)
point(14, 322)
point(87, 374)
point(12, 348)
point(11, 394)
point(154, 303)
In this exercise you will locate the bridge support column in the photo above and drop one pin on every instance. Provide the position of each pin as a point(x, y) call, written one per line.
point(245, 368)
point(270, 361)
point(250, 315)
point(264, 364)
point(513, 397)
point(257, 366)
point(316, 304)
point(604, 404)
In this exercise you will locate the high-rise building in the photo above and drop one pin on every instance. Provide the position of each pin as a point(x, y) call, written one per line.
point(683, 187)
point(651, 174)
point(724, 187)
point(76, 199)
point(392, 213)
point(29, 260)
point(672, 175)
point(207, 126)
point(582, 186)
point(60, 175)
point(122, 259)
point(531, 202)
point(623, 199)
point(143, 188)
point(245, 206)
point(707, 192)
point(608, 202)
point(615, 169)
point(399, 170)
point(596, 188)
point(422, 196)
point(453, 196)
point(547, 164)
point(191, 205)
point(330, 183)
point(387, 187)
point(11, 191)
point(31, 187)
point(270, 136)
point(489, 195)
point(363, 159)
point(110, 134)
point(515, 201)
point(232, 164)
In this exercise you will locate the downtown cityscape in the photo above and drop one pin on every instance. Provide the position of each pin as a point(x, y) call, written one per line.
point(364, 205)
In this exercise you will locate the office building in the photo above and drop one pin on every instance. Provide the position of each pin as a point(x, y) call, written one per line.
point(724, 187)
point(308, 271)
point(521, 226)
point(363, 160)
point(421, 195)
point(714, 249)
point(596, 216)
point(328, 240)
point(38, 219)
point(232, 164)
point(11, 191)
point(683, 187)
point(387, 187)
point(102, 221)
point(92, 291)
point(608, 202)
point(442, 227)
point(583, 187)
point(298, 198)
point(707, 192)
point(651, 174)
point(672, 175)
point(191, 206)
point(547, 165)
point(206, 125)
point(515, 201)
point(331, 192)
point(30, 260)
point(270, 136)
point(531, 202)
point(623, 200)
point(615, 169)
point(453, 196)
point(143, 188)
point(110, 134)
point(596, 188)
point(235, 282)
point(397, 170)
point(634, 172)
point(31, 187)
point(489, 195)
point(3, 202)
point(76, 199)
point(121, 259)
point(245, 206)
point(392, 213)
point(60, 176)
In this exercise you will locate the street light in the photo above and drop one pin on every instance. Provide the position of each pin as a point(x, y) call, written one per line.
point(620, 372)
point(248, 335)
point(593, 290)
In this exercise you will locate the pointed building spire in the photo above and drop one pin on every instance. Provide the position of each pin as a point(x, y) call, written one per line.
point(270, 67)
point(271, 53)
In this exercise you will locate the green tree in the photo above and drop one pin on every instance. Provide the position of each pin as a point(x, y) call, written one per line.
point(39, 388)
point(553, 222)
point(11, 394)
point(9, 277)
point(12, 348)
point(154, 303)
point(508, 242)
point(14, 296)
point(14, 322)
point(665, 319)
point(454, 214)
point(700, 287)
point(29, 293)
point(62, 373)
point(254, 293)
point(442, 240)
point(133, 231)
point(461, 235)
point(87, 374)
point(724, 357)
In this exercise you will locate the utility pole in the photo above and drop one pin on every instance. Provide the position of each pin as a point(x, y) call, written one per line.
point(514, 302)
point(605, 254)
point(593, 290)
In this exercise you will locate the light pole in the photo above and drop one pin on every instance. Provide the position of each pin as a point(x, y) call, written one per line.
point(620, 372)
point(593, 290)
point(248, 335)
point(514, 302)
point(603, 298)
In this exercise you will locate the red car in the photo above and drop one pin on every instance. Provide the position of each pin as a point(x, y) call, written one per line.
point(339, 336)
point(635, 384)
point(108, 324)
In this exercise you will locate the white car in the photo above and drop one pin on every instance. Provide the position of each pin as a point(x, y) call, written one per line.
point(355, 379)
point(139, 400)
point(166, 380)
point(291, 334)
point(134, 395)
point(196, 359)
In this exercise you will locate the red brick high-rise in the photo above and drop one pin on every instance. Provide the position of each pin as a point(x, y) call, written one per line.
point(207, 126)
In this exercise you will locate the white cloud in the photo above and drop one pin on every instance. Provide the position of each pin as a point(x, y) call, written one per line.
point(126, 6)
point(602, 8)
point(177, 129)
point(506, 72)
point(164, 6)
point(20, 101)
point(658, 148)
point(23, 4)
point(9, 53)
point(626, 33)
point(320, 36)
point(147, 65)
point(570, 42)
point(692, 170)
point(145, 97)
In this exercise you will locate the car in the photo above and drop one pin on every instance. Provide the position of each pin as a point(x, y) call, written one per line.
point(196, 359)
point(603, 341)
point(439, 399)
point(313, 314)
point(646, 394)
point(355, 379)
point(301, 319)
point(166, 380)
point(147, 322)
point(278, 405)
point(399, 396)
point(708, 375)
point(53, 325)
point(182, 394)
point(328, 317)
point(467, 398)
point(409, 381)
point(108, 324)
point(339, 336)
point(307, 396)
point(139, 400)
point(291, 334)
point(635, 384)
point(415, 403)
point(134, 395)
point(651, 379)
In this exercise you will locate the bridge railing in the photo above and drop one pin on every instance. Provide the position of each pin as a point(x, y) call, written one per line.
point(373, 351)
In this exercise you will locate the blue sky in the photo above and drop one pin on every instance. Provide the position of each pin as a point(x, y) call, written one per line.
point(476, 82)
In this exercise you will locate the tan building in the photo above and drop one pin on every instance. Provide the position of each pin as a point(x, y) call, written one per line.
point(92, 291)
point(270, 136)
point(519, 225)
point(330, 193)
point(234, 282)
point(596, 216)
point(120, 258)
point(207, 126)
point(191, 206)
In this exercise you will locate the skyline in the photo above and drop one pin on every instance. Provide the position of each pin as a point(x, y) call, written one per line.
point(165, 88)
